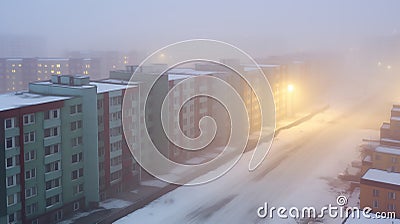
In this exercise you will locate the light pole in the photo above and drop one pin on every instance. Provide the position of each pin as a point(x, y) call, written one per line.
point(290, 90)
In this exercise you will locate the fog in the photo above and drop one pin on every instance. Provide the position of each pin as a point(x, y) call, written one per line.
point(261, 28)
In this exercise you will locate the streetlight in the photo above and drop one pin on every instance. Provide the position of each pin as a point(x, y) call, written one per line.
point(290, 88)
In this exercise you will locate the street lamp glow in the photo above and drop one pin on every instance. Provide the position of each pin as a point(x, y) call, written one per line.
point(389, 67)
point(290, 88)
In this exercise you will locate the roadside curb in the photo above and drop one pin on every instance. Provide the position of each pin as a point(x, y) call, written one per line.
point(302, 119)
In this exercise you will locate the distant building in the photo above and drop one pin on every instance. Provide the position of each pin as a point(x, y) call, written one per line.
point(386, 156)
point(17, 73)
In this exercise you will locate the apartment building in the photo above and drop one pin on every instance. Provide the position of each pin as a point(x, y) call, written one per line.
point(381, 169)
point(64, 148)
point(17, 73)
point(379, 189)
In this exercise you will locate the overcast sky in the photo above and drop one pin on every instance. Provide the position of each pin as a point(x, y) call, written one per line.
point(258, 27)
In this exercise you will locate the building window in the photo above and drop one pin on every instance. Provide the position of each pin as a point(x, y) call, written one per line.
point(391, 207)
point(52, 114)
point(32, 208)
point(116, 146)
point(116, 116)
point(9, 123)
point(12, 161)
point(116, 175)
point(76, 125)
point(76, 174)
point(13, 218)
point(11, 142)
point(51, 149)
point(116, 161)
point(52, 200)
point(12, 199)
point(394, 160)
point(51, 132)
point(13, 180)
point(375, 193)
point(30, 192)
point(115, 131)
point(31, 155)
point(78, 189)
point(29, 119)
point(100, 120)
point(99, 104)
point(77, 157)
point(54, 166)
point(117, 100)
point(30, 174)
point(36, 221)
point(29, 137)
point(58, 216)
point(52, 184)
point(76, 141)
point(392, 195)
point(375, 204)
point(76, 206)
point(76, 109)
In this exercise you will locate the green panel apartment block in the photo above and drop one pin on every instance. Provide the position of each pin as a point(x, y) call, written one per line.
point(62, 149)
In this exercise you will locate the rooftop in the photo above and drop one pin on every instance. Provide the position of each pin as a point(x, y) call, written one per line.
point(388, 150)
point(382, 176)
point(190, 71)
point(103, 87)
point(10, 101)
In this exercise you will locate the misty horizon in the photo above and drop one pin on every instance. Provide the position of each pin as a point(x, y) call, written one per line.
point(262, 28)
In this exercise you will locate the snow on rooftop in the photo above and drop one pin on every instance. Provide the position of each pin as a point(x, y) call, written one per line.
point(386, 125)
point(62, 85)
point(370, 220)
point(53, 59)
point(388, 150)
point(395, 118)
point(115, 81)
point(382, 176)
point(172, 77)
point(390, 140)
point(396, 109)
point(189, 71)
point(108, 87)
point(10, 101)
